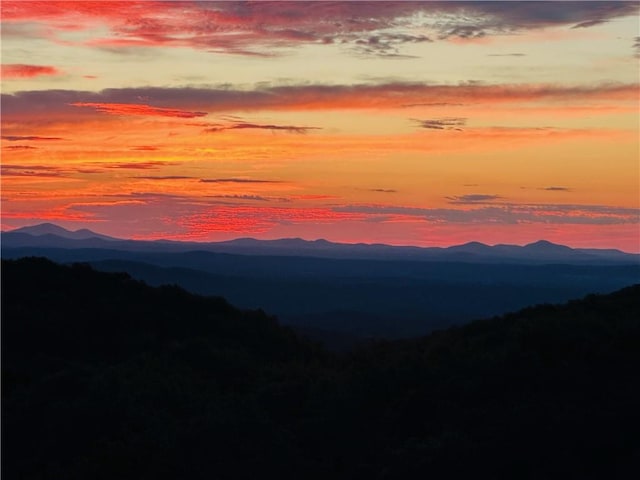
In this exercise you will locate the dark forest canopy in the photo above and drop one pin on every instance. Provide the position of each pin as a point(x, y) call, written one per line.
point(105, 377)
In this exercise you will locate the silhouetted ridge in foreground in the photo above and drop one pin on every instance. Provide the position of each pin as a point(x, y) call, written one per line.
point(105, 377)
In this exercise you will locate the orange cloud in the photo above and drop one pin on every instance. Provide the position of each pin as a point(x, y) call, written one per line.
point(139, 109)
point(187, 102)
point(19, 70)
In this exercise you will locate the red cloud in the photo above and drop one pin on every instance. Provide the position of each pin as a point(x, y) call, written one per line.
point(145, 148)
point(257, 28)
point(19, 70)
point(139, 109)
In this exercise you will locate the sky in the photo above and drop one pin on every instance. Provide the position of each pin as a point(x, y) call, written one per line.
point(406, 123)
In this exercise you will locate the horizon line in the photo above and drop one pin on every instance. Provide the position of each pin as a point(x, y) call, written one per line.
point(322, 239)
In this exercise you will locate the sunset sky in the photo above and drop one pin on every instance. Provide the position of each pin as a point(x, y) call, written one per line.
point(428, 123)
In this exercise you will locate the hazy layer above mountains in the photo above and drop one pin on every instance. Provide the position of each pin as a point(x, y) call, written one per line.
point(540, 252)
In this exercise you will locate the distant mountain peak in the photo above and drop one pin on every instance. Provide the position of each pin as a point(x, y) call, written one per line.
point(42, 229)
point(546, 245)
point(470, 247)
point(53, 229)
point(474, 244)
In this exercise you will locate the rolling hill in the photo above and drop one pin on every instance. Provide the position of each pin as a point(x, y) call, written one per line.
point(106, 377)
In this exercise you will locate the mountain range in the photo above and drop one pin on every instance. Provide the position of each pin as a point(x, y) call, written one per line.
point(331, 290)
point(540, 252)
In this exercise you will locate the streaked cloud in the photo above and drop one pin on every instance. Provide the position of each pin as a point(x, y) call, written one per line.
point(19, 147)
point(136, 165)
point(28, 138)
point(190, 102)
point(258, 198)
point(145, 148)
point(258, 126)
point(139, 109)
point(164, 177)
point(14, 170)
point(383, 190)
point(445, 123)
point(19, 70)
point(506, 213)
point(473, 198)
point(237, 180)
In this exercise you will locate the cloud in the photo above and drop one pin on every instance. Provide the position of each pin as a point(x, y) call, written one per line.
point(636, 47)
point(268, 28)
point(236, 180)
point(28, 138)
point(19, 70)
point(473, 198)
point(445, 123)
point(13, 170)
point(139, 109)
point(556, 189)
point(383, 190)
point(164, 177)
point(20, 147)
point(313, 197)
point(479, 19)
point(243, 197)
point(144, 148)
point(137, 165)
point(384, 45)
point(189, 102)
point(244, 125)
point(506, 55)
point(253, 219)
point(504, 213)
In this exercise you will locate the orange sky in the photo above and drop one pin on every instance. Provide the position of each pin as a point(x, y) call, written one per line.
point(425, 123)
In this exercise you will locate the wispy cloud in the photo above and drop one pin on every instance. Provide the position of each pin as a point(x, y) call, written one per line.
point(164, 177)
point(236, 180)
point(383, 190)
point(258, 126)
point(445, 123)
point(28, 138)
point(14, 170)
point(556, 189)
point(473, 198)
point(139, 109)
point(136, 165)
point(20, 147)
point(259, 198)
point(19, 70)
point(506, 55)
point(505, 213)
point(144, 148)
point(383, 45)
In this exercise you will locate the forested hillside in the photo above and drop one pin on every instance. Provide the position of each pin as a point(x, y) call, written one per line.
point(104, 377)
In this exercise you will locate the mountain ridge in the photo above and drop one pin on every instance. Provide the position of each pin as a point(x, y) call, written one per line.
point(541, 251)
point(164, 384)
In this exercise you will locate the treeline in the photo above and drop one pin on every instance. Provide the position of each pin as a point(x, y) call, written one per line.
point(105, 377)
